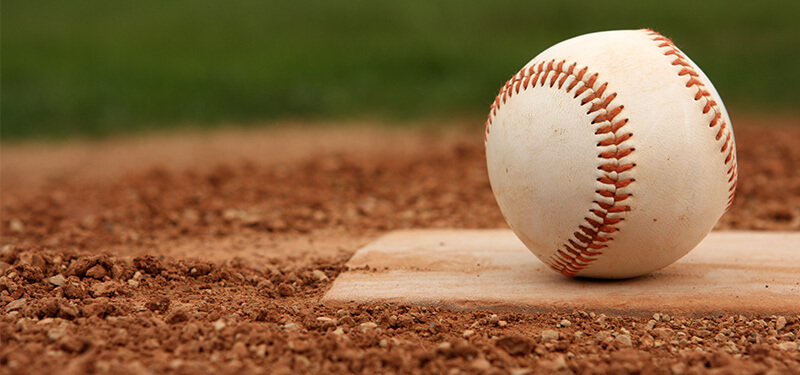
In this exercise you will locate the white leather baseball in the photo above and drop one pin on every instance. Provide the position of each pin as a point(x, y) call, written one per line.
point(611, 154)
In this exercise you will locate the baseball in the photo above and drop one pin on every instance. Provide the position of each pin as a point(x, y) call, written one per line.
point(610, 154)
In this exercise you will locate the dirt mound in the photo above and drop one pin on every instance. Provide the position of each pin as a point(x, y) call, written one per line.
point(219, 267)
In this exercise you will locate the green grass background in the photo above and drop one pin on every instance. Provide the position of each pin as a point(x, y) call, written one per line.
point(93, 68)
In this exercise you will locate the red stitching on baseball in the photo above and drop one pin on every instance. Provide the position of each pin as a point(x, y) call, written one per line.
point(729, 145)
point(574, 255)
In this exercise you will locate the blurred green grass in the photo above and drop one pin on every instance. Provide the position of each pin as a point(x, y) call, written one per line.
point(93, 68)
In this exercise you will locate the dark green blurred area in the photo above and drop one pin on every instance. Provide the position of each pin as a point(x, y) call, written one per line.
point(92, 68)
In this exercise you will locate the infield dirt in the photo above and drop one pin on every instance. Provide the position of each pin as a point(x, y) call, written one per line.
point(208, 253)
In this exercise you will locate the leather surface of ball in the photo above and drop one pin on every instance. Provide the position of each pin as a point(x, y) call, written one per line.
point(610, 154)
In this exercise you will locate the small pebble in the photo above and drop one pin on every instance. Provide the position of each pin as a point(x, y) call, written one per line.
point(260, 351)
point(97, 272)
point(16, 225)
point(549, 335)
point(240, 349)
point(16, 304)
point(54, 334)
point(285, 289)
point(647, 340)
point(291, 327)
point(321, 276)
point(219, 325)
point(467, 333)
point(480, 364)
point(302, 360)
point(346, 320)
point(565, 323)
point(663, 333)
point(57, 280)
point(68, 310)
point(625, 341)
point(780, 323)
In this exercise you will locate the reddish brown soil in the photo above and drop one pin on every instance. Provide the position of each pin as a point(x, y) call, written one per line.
point(209, 254)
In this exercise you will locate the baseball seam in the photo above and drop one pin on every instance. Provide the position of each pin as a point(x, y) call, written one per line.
point(586, 243)
point(729, 144)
